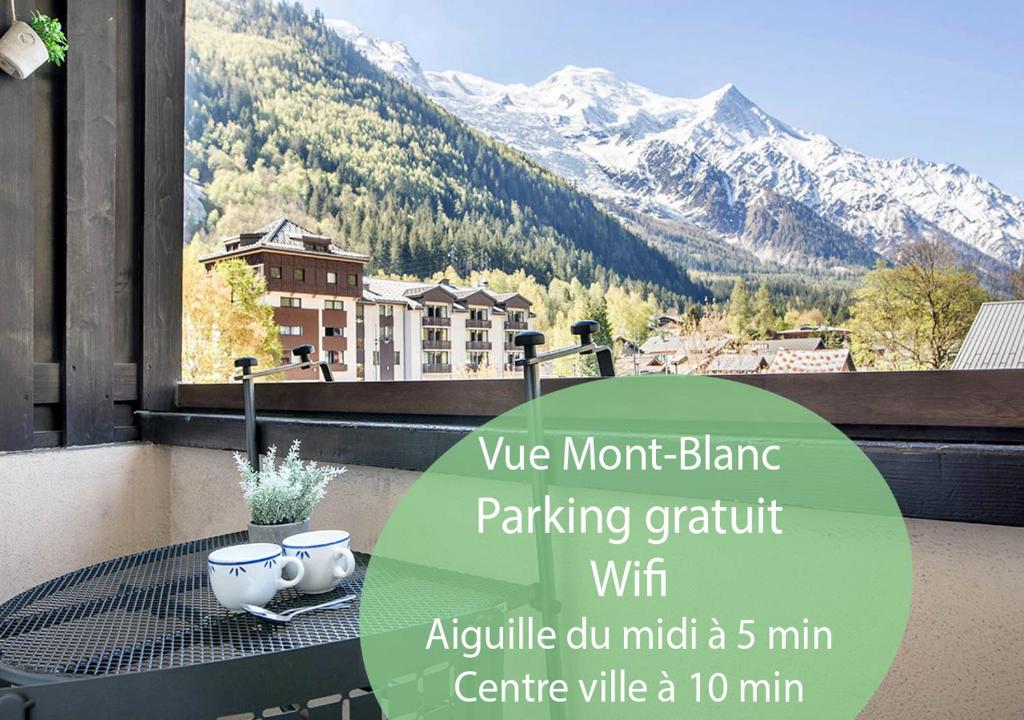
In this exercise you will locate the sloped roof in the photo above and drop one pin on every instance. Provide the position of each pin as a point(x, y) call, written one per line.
point(811, 361)
point(284, 234)
point(661, 345)
point(995, 340)
point(407, 293)
point(773, 346)
point(740, 363)
point(388, 291)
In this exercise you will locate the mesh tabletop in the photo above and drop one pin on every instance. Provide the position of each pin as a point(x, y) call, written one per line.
point(154, 610)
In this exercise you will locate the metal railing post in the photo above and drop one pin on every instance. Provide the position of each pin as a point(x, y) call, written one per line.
point(248, 377)
point(252, 447)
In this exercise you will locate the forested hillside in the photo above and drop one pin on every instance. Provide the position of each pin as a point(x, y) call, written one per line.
point(286, 118)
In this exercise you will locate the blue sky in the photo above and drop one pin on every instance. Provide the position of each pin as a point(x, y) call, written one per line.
point(941, 80)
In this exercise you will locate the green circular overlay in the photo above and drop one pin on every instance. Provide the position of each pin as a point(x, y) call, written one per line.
point(640, 548)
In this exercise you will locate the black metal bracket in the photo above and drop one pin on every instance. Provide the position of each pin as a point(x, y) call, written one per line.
point(14, 706)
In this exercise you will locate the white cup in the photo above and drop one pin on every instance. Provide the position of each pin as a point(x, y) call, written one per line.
point(250, 574)
point(326, 557)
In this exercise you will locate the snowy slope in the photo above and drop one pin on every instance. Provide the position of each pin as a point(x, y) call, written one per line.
point(724, 164)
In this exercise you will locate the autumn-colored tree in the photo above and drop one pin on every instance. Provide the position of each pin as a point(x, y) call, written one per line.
point(223, 319)
point(914, 315)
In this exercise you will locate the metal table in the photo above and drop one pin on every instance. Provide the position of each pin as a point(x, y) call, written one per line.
point(143, 636)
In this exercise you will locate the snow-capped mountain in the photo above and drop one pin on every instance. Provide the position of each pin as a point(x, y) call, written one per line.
point(725, 165)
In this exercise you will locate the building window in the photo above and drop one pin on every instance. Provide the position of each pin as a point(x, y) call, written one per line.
point(353, 280)
point(478, 313)
point(300, 275)
point(292, 330)
point(335, 357)
point(398, 357)
point(275, 273)
point(478, 336)
point(360, 312)
point(387, 311)
point(479, 359)
point(335, 305)
point(386, 336)
point(291, 302)
point(437, 311)
point(334, 332)
point(376, 358)
point(332, 278)
point(436, 358)
point(433, 334)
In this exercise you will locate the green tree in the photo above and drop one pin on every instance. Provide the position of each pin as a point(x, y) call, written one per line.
point(741, 311)
point(914, 315)
point(597, 309)
point(765, 320)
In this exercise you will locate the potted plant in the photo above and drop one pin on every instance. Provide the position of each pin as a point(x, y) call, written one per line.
point(282, 496)
point(26, 46)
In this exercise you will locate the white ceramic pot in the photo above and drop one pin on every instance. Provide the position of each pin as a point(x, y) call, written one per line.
point(326, 559)
point(250, 574)
point(21, 51)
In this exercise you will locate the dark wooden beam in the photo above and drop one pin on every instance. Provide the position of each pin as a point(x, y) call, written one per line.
point(163, 208)
point(973, 399)
point(91, 170)
point(48, 386)
point(935, 481)
point(17, 238)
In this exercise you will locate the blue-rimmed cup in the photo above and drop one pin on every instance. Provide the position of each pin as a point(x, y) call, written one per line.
point(250, 574)
point(325, 556)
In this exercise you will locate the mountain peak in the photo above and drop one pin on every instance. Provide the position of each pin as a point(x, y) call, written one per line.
point(577, 75)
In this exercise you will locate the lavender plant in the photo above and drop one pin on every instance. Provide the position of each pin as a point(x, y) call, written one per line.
point(284, 493)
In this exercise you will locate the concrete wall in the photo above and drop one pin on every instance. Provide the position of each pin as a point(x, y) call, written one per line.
point(206, 499)
point(962, 657)
point(64, 509)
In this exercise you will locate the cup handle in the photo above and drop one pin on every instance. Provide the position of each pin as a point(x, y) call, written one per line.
point(300, 569)
point(347, 566)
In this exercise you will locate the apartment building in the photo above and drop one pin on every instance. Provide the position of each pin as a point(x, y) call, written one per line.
point(374, 329)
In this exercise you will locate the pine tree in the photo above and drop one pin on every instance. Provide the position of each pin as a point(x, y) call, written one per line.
point(764, 320)
point(741, 312)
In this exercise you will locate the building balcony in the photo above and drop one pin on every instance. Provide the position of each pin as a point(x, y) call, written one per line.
point(516, 325)
point(478, 345)
point(335, 318)
point(435, 369)
point(512, 347)
point(334, 342)
point(437, 344)
point(429, 321)
point(481, 324)
point(339, 367)
point(387, 320)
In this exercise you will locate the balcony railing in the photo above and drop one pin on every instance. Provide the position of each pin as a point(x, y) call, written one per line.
point(473, 323)
point(437, 344)
point(516, 325)
point(389, 321)
point(512, 347)
point(429, 368)
point(429, 321)
point(477, 345)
